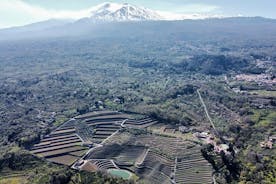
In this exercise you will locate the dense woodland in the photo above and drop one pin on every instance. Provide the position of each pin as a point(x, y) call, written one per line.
point(46, 81)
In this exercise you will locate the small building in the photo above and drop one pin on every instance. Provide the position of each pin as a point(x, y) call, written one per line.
point(183, 129)
point(266, 144)
point(202, 135)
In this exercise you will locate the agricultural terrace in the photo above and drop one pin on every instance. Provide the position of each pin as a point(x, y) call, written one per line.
point(118, 144)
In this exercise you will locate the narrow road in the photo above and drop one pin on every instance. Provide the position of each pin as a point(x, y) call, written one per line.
point(112, 161)
point(104, 141)
point(122, 124)
point(174, 170)
point(214, 179)
point(137, 163)
point(206, 112)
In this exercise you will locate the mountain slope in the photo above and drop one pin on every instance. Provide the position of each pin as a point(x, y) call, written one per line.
point(39, 26)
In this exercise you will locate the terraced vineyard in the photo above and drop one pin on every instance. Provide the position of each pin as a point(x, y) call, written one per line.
point(143, 123)
point(105, 140)
point(157, 168)
point(193, 168)
point(60, 148)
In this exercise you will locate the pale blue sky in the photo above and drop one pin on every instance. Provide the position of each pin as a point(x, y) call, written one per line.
point(20, 12)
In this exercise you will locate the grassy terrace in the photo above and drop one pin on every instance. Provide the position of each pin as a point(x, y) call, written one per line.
point(193, 168)
point(158, 177)
point(69, 130)
point(102, 122)
point(65, 127)
point(78, 153)
point(63, 151)
point(173, 147)
point(103, 164)
point(106, 129)
point(96, 114)
point(111, 117)
point(60, 143)
point(103, 132)
point(107, 125)
point(140, 123)
point(129, 154)
point(71, 138)
point(53, 148)
point(57, 138)
point(64, 159)
point(158, 163)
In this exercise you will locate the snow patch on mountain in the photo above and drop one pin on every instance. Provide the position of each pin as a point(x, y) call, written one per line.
point(123, 12)
point(175, 16)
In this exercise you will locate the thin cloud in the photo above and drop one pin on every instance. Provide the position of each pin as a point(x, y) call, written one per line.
point(197, 8)
point(18, 13)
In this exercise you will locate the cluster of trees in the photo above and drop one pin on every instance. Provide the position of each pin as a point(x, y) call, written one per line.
point(227, 167)
point(41, 172)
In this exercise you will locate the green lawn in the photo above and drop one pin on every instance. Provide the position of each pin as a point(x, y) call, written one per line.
point(120, 173)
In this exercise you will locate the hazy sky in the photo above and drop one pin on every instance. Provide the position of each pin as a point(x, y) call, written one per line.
point(21, 12)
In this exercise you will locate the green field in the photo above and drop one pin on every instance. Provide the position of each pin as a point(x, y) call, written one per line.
point(13, 180)
point(264, 93)
point(120, 173)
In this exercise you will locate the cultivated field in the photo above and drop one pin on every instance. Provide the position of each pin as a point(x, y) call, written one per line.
point(104, 140)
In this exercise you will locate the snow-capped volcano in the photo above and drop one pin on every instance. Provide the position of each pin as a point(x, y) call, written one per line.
point(123, 12)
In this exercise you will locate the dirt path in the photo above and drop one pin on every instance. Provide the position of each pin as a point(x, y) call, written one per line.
point(206, 112)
